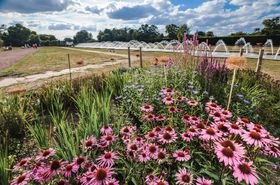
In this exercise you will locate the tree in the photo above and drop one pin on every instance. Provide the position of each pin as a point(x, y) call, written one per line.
point(82, 36)
point(183, 29)
point(201, 33)
point(171, 31)
point(238, 34)
point(45, 37)
point(271, 26)
point(17, 35)
point(67, 39)
point(34, 39)
point(209, 34)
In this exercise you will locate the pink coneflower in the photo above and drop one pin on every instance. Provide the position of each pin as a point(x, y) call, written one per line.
point(216, 115)
point(157, 129)
point(167, 137)
point(21, 179)
point(69, 169)
point(139, 141)
point(161, 182)
point(160, 118)
point(169, 129)
point(168, 100)
point(144, 157)
point(222, 127)
point(254, 138)
point(192, 131)
point(172, 109)
point(151, 135)
point(272, 140)
point(79, 162)
point(186, 119)
point(211, 106)
point(112, 182)
point(183, 177)
point(128, 130)
point(272, 150)
point(152, 150)
point(89, 143)
point(243, 121)
point(244, 171)
point(107, 159)
point(229, 152)
point(147, 108)
point(235, 129)
point(86, 178)
point(108, 138)
point(132, 147)
point(62, 182)
point(182, 155)
point(101, 175)
point(209, 133)
point(182, 98)
point(53, 169)
point(23, 163)
point(186, 137)
point(106, 130)
point(194, 120)
point(161, 155)
point(203, 181)
point(102, 145)
point(149, 117)
point(226, 113)
point(45, 154)
point(201, 125)
point(167, 91)
point(192, 103)
point(151, 179)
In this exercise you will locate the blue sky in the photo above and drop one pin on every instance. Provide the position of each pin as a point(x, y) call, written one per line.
point(64, 18)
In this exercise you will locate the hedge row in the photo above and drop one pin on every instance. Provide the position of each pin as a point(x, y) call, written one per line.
point(254, 40)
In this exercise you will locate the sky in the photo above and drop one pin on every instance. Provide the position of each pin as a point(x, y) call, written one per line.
point(63, 18)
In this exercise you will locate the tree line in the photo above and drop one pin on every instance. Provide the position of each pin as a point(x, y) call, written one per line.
point(18, 35)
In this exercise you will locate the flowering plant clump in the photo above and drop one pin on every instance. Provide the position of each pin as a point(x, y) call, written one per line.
point(171, 146)
point(164, 130)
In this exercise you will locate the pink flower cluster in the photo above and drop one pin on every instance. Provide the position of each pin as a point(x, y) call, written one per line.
point(234, 142)
point(44, 167)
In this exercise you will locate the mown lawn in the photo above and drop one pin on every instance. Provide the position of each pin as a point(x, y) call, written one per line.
point(53, 59)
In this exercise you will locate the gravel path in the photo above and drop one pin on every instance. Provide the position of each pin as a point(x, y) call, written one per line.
point(8, 58)
point(49, 74)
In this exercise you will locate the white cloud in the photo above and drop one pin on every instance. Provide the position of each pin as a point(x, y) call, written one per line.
point(71, 15)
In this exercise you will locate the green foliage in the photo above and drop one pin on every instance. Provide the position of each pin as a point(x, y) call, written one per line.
point(171, 31)
point(82, 36)
point(5, 161)
point(17, 35)
point(271, 26)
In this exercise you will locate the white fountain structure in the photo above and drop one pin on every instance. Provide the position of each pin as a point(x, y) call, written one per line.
point(268, 44)
point(220, 50)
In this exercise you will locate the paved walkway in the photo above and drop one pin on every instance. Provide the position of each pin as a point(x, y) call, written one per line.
point(8, 58)
point(49, 74)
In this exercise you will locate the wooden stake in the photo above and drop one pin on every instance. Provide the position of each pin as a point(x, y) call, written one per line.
point(241, 52)
point(231, 88)
point(259, 63)
point(129, 60)
point(69, 64)
point(141, 59)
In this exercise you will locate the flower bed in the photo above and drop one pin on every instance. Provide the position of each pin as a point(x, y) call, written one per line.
point(163, 129)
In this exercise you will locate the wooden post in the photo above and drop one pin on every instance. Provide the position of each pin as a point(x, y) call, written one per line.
point(241, 52)
point(141, 59)
point(231, 88)
point(129, 60)
point(69, 64)
point(259, 63)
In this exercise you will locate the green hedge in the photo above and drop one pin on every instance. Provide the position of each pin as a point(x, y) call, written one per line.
point(231, 40)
